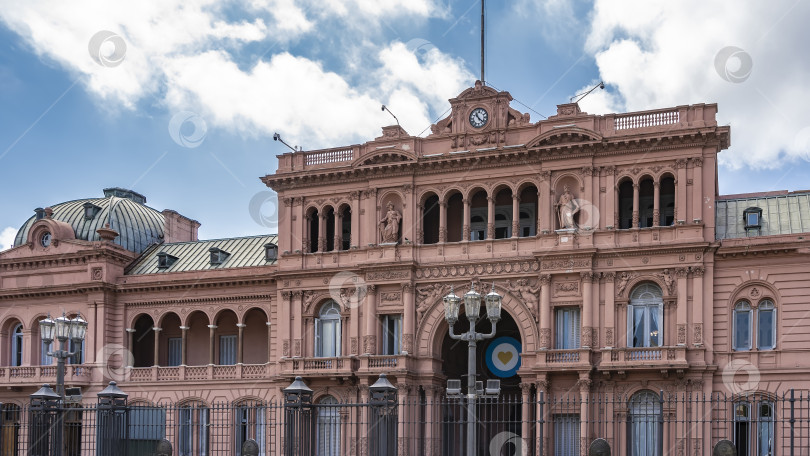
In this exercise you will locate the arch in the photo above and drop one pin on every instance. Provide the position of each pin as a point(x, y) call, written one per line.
point(644, 410)
point(455, 214)
point(745, 290)
point(429, 218)
point(254, 334)
point(192, 401)
point(329, 215)
point(474, 189)
point(384, 156)
point(196, 312)
point(312, 229)
point(34, 322)
point(249, 309)
point(162, 318)
point(425, 194)
point(169, 344)
point(430, 331)
point(645, 316)
point(646, 202)
point(135, 318)
point(499, 186)
point(10, 321)
point(447, 193)
point(344, 237)
point(558, 180)
point(226, 337)
point(571, 134)
point(143, 341)
point(197, 338)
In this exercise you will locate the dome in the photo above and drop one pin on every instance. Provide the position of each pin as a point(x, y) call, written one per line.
point(138, 225)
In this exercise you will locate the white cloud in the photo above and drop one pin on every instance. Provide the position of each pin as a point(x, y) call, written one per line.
point(661, 54)
point(186, 55)
point(7, 238)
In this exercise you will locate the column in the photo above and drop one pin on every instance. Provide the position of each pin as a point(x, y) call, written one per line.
point(370, 310)
point(443, 221)
point(681, 310)
point(157, 345)
point(544, 203)
point(635, 204)
point(610, 310)
point(525, 389)
point(420, 228)
point(355, 234)
point(656, 203)
point(697, 305)
point(269, 340)
point(490, 217)
point(545, 311)
point(584, 384)
point(130, 346)
point(28, 348)
point(680, 191)
point(515, 215)
point(409, 319)
point(541, 414)
point(183, 344)
point(321, 232)
point(587, 309)
point(211, 330)
point(338, 230)
point(697, 190)
point(465, 236)
point(308, 234)
point(240, 327)
point(611, 216)
point(403, 391)
point(297, 323)
point(285, 329)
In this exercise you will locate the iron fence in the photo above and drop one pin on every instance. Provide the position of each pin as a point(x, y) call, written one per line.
point(645, 423)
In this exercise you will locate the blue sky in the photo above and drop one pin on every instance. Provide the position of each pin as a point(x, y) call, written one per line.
point(316, 72)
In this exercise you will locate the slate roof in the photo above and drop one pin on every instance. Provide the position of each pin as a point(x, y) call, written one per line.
point(195, 256)
point(782, 213)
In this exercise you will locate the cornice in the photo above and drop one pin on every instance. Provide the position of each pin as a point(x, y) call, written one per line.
point(217, 299)
point(81, 257)
point(59, 290)
point(225, 282)
point(652, 250)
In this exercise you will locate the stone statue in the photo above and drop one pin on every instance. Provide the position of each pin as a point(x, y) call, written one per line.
point(389, 225)
point(669, 281)
point(426, 296)
point(623, 279)
point(525, 291)
point(567, 208)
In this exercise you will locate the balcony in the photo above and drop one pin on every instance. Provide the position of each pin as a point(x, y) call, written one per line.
point(37, 375)
point(193, 373)
point(338, 367)
point(644, 358)
point(561, 360)
point(384, 364)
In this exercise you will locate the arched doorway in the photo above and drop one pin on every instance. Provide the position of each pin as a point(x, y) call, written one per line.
point(495, 416)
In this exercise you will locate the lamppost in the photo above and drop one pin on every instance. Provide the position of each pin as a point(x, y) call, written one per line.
point(472, 307)
point(62, 329)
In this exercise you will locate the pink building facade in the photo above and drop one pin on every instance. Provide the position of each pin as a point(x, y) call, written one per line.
point(622, 269)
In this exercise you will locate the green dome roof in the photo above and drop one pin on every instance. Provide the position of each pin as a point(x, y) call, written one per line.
point(138, 225)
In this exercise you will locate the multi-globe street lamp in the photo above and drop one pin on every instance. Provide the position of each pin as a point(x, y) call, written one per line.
point(472, 307)
point(62, 329)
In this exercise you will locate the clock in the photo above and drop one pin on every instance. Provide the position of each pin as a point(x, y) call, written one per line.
point(479, 117)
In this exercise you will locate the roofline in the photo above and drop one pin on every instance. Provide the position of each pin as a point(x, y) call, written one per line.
point(771, 194)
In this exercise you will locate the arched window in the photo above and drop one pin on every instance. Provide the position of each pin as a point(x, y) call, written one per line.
point(328, 427)
point(327, 331)
point(754, 427)
point(250, 424)
point(645, 315)
point(193, 436)
point(645, 411)
point(741, 339)
point(17, 345)
point(766, 325)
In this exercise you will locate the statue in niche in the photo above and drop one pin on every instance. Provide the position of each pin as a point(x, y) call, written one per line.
point(567, 208)
point(389, 225)
point(669, 281)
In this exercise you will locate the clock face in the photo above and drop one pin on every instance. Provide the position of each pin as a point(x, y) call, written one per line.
point(479, 117)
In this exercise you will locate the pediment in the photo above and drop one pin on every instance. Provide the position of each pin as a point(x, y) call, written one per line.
point(385, 156)
point(565, 135)
point(478, 91)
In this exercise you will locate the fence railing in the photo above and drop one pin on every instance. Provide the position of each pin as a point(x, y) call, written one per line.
point(414, 423)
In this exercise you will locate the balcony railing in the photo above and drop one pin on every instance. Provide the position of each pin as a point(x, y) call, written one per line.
point(647, 119)
point(324, 366)
point(185, 373)
point(74, 374)
point(643, 357)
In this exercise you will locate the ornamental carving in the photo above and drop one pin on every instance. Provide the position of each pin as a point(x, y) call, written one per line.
point(309, 298)
point(545, 337)
point(624, 278)
point(427, 295)
point(526, 290)
point(393, 296)
point(566, 264)
point(697, 334)
point(96, 274)
point(285, 348)
point(566, 289)
point(407, 343)
point(669, 281)
point(387, 275)
point(609, 337)
point(754, 293)
point(681, 334)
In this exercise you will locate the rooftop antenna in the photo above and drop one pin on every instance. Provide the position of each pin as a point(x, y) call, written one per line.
point(582, 95)
point(483, 81)
point(277, 137)
point(392, 114)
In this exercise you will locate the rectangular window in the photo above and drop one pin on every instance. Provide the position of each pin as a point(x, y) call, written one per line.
point(766, 328)
point(752, 219)
point(742, 330)
point(193, 432)
point(644, 325)
point(392, 334)
point(227, 350)
point(567, 328)
point(175, 348)
point(147, 426)
point(566, 435)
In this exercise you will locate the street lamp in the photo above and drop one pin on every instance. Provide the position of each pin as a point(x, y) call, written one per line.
point(472, 307)
point(62, 329)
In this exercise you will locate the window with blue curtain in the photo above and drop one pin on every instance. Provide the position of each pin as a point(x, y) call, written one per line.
point(645, 411)
point(741, 338)
point(327, 331)
point(328, 427)
point(567, 328)
point(645, 316)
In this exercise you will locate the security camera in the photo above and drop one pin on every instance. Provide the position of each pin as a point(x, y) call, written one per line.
point(383, 108)
point(276, 136)
point(602, 85)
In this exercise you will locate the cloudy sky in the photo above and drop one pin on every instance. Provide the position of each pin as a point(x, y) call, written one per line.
point(179, 100)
